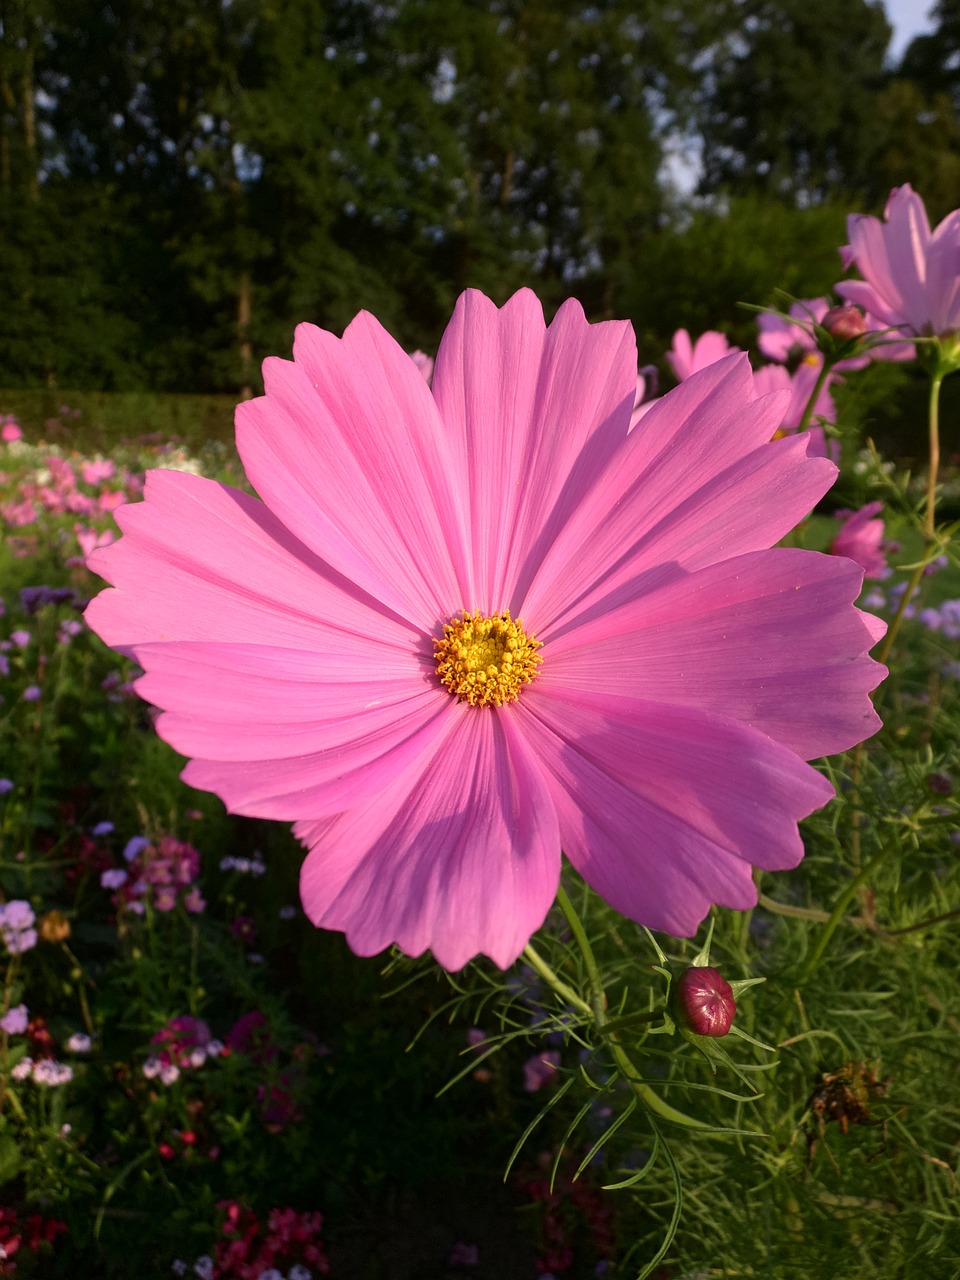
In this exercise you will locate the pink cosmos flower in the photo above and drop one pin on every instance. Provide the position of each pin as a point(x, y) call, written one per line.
point(861, 539)
point(686, 357)
point(98, 470)
point(800, 384)
point(467, 626)
point(541, 1070)
point(424, 363)
point(10, 430)
point(911, 275)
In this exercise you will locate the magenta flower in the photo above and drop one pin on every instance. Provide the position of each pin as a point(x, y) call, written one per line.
point(473, 624)
point(686, 357)
point(911, 276)
point(861, 539)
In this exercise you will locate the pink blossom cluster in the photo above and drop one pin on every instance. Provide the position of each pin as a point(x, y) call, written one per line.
point(184, 1043)
point(56, 489)
point(47, 1072)
point(163, 872)
point(90, 489)
point(33, 1234)
point(287, 1247)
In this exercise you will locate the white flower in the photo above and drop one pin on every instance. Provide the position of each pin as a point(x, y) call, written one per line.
point(169, 1074)
point(203, 1267)
point(152, 1067)
point(22, 1069)
point(79, 1043)
point(50, 1073)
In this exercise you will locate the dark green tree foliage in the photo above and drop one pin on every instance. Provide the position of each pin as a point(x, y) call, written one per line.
point(230, 168)
point(789, 100)
point(922, 116)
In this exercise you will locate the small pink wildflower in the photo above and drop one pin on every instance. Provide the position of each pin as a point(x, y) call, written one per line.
point(10, 430)
point(861, 539)
point(97, 470)
point(686, 357)
point(489, 621)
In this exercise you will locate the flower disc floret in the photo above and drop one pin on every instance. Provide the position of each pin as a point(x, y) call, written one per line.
point(486, 661)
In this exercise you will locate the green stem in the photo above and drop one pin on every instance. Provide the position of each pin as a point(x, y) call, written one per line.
point(929, 517)
point(597, 1009)
point(811, 402)
point(553, 980)
point(934, 427)
point(837, 914)
point(598, 997)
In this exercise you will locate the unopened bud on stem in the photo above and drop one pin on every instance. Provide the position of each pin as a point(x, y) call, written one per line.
point(705, 1001)
point(845, 322)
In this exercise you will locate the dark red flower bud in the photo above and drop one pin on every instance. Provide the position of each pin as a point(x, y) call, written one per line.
point(845, 322)
point(705, 1001)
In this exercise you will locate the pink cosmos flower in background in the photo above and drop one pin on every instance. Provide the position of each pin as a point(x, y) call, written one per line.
point(686, 357)
point(541, 1070)
point(646, 394)
point(424, 363)
point(473, 624)
point(10, 429)
point(861, 540)
point(800, 384)
point(911, 275)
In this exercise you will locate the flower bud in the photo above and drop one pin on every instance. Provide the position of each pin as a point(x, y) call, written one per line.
point(704, 1001)
point(845, 322)
point(54, 927)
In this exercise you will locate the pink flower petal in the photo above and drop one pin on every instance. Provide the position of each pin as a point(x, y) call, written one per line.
point(347, 448)
point(664, 808)
point(645, 509)
point(465, 860)
point(339, 727)
point(202, 561)
point(535, 412)
point(770, 639)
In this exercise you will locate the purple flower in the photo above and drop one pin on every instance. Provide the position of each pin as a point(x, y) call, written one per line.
point(14, 1021)
point(5, 786)
point(113, 878)
point(32, 693)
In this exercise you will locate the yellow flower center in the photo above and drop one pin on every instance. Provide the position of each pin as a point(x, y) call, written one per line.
point(486, 661)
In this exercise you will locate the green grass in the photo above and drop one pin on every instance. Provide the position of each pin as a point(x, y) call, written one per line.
point(106, 419)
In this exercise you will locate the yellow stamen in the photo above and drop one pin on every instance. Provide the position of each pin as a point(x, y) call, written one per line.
point(486, 661)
